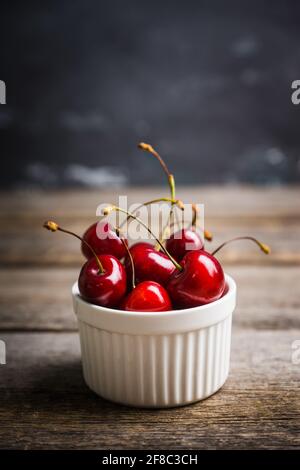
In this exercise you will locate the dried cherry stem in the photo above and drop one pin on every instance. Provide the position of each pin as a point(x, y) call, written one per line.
point(265, 248)
point(207, 234)
point(171, 181)
point(112, 208)
point(177, 202)
point(54, 227)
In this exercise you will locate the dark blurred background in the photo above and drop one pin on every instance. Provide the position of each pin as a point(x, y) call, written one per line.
point(208, 83)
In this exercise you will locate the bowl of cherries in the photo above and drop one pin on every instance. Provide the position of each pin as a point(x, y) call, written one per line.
point(154, 320)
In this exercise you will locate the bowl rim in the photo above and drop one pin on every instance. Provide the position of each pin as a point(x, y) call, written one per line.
point(155, 323)
point(231, 291)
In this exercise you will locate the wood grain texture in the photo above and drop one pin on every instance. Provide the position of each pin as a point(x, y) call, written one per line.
point(229, 212)
point(44, 401)
point(34, 246)
point(220, 201)
point(42, 300)
point(43, 393)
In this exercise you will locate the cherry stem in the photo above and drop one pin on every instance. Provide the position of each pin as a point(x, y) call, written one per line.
point(195, 215)
point(170, 217)
point(171, 181)
point(207, 234)
point(54, 227)
point(150, 149)
point(109, 209)
point(265, 248)
point(178, 202)
point(166, 229)
point(119, 232)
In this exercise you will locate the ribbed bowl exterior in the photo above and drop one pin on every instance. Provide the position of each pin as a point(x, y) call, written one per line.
point(153, 369)
point(156, 370)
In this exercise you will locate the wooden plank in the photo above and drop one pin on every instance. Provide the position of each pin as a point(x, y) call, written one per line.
point(45, 404)
point(231, 201)
point(272, 214)
point(40, 299)
point(44, 401)
point(27, 243)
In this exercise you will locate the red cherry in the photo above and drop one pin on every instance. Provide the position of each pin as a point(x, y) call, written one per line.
point(148, 296)
point(149, 264)
point(200, 282)
point(183, 241)
point(104, 240)
point(107, 288)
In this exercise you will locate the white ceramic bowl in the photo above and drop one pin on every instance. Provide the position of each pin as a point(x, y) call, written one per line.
point(156, 359)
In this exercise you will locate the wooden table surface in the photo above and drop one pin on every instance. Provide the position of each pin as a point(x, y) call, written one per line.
point(44, 401)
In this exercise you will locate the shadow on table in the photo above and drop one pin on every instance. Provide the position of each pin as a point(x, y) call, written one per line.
point(60, 388)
